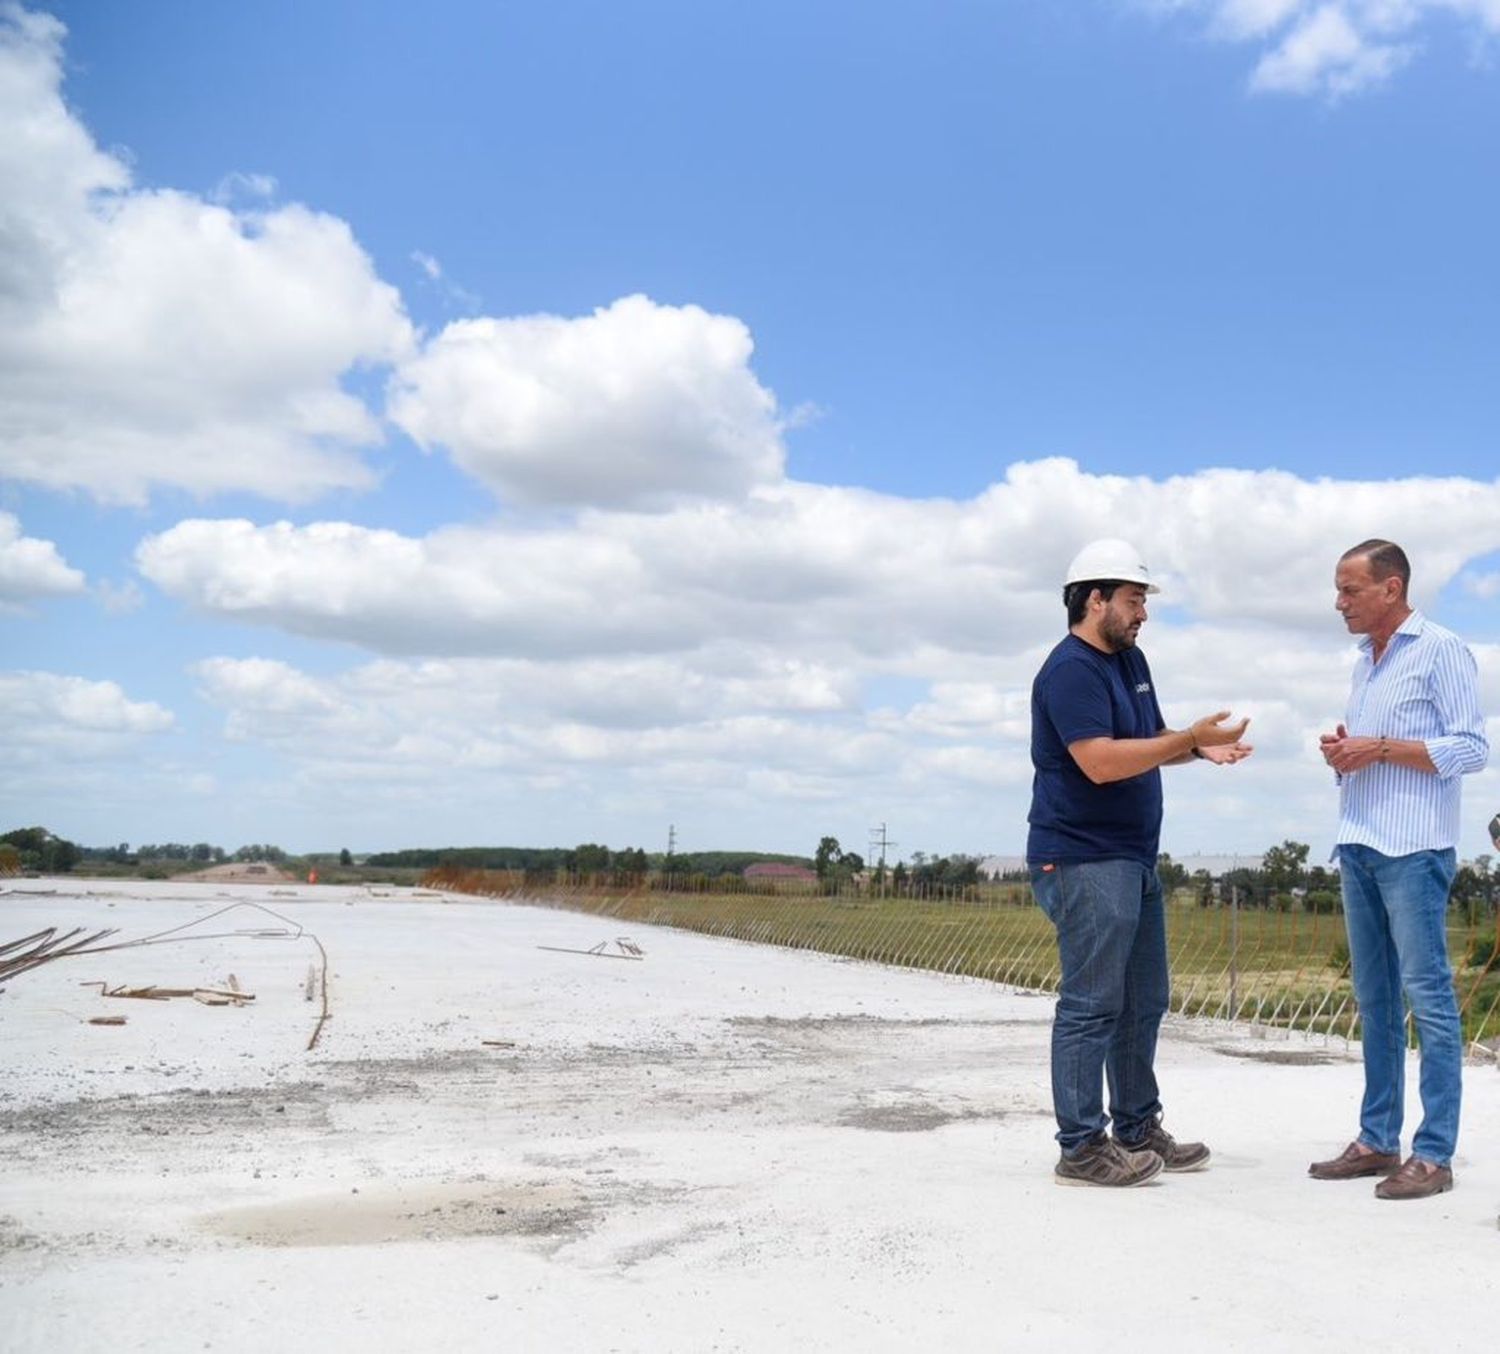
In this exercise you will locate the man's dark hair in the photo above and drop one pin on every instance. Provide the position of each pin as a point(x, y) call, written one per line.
point(1076, 596)
point(1386, 558)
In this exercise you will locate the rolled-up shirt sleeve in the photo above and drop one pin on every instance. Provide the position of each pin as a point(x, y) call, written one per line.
point(1461, 748)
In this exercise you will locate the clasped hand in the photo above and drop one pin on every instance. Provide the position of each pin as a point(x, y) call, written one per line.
point(1345, 754)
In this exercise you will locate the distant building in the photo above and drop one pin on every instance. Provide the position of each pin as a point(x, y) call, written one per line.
point(775, 869)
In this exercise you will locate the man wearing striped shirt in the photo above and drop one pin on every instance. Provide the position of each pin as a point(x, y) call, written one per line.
point(1413, 728)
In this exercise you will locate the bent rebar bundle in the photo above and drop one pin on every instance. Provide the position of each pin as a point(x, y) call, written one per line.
point(29, 951)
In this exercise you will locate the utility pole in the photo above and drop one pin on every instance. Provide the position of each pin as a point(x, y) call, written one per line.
point(669, 874)
point(1234, 952)
point(879, 841)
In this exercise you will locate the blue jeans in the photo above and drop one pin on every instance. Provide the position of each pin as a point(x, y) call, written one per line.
point(1112, 941)
point(1395, 910)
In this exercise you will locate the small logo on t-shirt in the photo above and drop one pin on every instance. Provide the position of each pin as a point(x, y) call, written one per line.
point(1142, 687)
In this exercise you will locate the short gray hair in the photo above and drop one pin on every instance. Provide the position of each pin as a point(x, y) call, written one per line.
point(1386, 558)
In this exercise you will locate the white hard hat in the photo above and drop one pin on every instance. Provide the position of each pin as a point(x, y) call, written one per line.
point(1110, 560)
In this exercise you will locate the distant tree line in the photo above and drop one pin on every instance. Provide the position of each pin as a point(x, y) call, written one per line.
point(954, 872)
point(841, 871)
point(36, 849)
point(1285, 882)
point(717, 864)
point(1282, 883)
point(1476, 888)
point(199, 853)
point(585, 858)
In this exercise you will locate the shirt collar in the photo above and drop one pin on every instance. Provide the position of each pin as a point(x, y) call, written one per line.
point(1412, 625)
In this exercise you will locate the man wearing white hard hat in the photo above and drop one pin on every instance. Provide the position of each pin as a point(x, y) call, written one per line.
point(1098, 742)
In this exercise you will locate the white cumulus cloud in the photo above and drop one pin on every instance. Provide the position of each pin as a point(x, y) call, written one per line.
point(637, 405)
point(1333, 48)
point(152, 337)
point(31, 568)
point(1326, 52)
point(46, 717)
point(818, 570)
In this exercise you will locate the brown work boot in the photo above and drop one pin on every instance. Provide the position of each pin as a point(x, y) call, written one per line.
point(1175, 1156)
point(1417, 1179)
point(1104, 1162)
point(1354, 1162)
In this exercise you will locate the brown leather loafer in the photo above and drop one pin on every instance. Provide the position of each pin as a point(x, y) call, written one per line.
point(1417, 1179)
point(1355, 1162)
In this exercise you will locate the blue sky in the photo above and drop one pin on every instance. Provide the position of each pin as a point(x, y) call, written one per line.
point(862, 319)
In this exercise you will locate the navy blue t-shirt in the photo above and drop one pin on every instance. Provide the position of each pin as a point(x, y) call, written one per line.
point(1084, 693)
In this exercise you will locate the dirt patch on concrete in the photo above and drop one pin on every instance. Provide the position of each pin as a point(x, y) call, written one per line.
point(1286, 1057)
point(552, 1211)
point(119, 1123)
point(871, 1023)
point(911, 1117)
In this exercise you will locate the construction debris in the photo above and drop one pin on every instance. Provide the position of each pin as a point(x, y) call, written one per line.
point(627, 949)
point(29, 951)
point(17, 956)
point(209, 996)
point(325, 1015)
point(106, 1020)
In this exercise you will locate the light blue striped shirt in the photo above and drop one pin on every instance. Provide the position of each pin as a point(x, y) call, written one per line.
point(1426, 686)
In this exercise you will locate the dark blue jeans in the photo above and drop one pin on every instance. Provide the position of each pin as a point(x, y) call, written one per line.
point(1112, 941)
point(1396, 911)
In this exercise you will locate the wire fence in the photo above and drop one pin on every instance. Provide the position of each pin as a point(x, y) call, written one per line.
point(1241, 956)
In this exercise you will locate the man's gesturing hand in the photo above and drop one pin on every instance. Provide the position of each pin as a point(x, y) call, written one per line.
point(1210, 731)
point(1227, 756)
